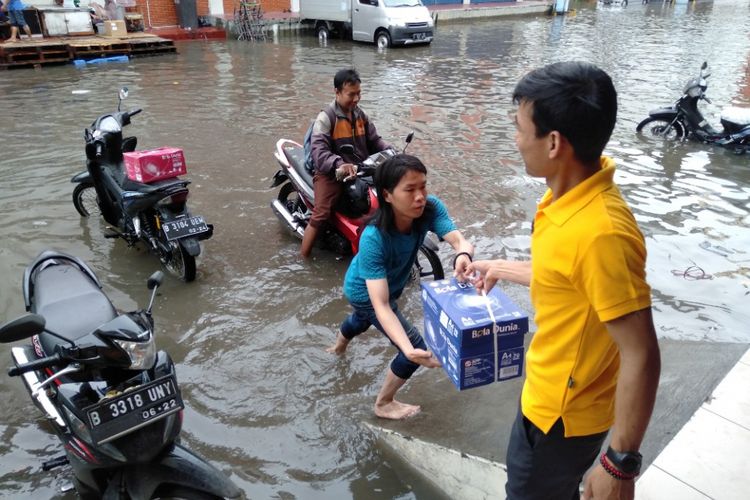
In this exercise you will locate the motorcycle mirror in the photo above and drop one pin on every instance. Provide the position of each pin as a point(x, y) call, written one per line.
point(409, 138)
point(121, 96)
point(155, 280)
point(22, 328)
point(704, 65)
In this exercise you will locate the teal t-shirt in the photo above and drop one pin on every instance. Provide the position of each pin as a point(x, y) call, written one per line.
point(391, 256)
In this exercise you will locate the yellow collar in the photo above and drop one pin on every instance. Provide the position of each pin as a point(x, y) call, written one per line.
point(574, 200)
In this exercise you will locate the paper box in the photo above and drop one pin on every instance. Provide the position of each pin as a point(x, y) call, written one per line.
point(155, 164)
point(114, 28)
point(460, 331)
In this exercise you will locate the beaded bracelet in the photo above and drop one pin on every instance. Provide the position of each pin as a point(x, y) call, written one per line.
point(459, 254)
point(613, 471)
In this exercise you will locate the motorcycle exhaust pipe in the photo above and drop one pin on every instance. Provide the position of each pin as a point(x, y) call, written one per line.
point(283, 214)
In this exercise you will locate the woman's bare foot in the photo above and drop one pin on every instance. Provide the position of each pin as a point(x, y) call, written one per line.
point(340, 346)
point(395, 410)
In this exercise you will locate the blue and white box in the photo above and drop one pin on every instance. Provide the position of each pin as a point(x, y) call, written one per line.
point(475, 346)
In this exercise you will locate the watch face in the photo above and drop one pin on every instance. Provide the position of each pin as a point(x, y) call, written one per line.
point(630, 464)
point(627, 462)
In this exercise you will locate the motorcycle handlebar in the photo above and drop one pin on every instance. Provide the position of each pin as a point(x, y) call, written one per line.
point(35, 365)
point(133, 113)
point(98, 150)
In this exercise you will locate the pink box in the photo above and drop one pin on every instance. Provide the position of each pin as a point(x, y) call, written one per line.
point(155, 164)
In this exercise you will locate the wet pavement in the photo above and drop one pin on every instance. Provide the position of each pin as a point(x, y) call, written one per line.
point(265, 403)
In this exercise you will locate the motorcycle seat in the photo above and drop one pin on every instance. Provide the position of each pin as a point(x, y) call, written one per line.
point(296, 156)
point(736, 115)
point(72, 305)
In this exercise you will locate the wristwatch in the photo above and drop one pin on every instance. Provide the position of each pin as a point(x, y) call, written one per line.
point(627, 462)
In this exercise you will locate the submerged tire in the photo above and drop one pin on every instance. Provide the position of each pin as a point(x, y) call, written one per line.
point(659, 128)
point(85, 200)
point(383, 39)
point(323, 33)
point(180, 263)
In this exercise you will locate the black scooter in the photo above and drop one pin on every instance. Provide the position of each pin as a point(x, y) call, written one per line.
point(684, 119)
point(154, 213)
point(111, 397)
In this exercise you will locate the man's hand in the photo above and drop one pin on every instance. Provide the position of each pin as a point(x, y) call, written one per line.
point(422, 357)
point(462, 263)
point(602, 486)
point(491, 271)
point(346, 171)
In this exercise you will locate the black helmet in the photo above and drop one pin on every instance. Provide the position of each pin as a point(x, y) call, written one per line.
point(355, 199)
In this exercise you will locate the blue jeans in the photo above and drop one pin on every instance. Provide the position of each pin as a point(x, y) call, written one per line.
point(364, 316)
point(16, 18)
point(547, 466)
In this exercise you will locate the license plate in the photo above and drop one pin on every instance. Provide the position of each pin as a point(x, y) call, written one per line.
point(134, 409)
point(180, 228)
point(418, 36)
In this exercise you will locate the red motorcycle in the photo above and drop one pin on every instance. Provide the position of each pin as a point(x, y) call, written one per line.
point(294, 203)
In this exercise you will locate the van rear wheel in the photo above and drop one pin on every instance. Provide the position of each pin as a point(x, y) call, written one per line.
point(383, 39)
point(323, 33)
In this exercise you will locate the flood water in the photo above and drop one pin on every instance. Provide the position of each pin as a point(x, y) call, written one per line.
point(264, 402)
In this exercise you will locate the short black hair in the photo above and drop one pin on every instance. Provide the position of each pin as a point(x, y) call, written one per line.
point(386, 178)
point(575, 98)
point(344, 76)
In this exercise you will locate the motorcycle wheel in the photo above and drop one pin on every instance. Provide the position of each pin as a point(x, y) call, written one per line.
point(179, 263)
point(427, 266)
point(85, 200)
point(658, 128)
point(180, 492)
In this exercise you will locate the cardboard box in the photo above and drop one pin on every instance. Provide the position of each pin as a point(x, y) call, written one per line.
point(114, 28)
point(154, 164)
point(459, 330)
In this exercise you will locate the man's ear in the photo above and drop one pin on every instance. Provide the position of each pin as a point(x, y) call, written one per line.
point(556, 143)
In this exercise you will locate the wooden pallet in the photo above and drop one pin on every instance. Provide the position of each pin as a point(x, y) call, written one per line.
point(94, 48)
point(21, 54)
point(149, 46)
point(62, 50)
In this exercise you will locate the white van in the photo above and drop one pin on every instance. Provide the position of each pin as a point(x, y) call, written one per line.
point(384, 22)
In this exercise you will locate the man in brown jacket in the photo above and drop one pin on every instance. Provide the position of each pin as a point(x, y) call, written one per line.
point(342, 122)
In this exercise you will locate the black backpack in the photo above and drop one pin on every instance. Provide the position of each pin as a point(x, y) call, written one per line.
point(307, 143)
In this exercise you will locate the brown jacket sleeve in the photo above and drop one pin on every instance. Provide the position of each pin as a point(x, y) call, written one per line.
point(323, 155)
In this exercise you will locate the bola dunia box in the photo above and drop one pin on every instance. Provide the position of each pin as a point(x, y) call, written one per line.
point(460, 331)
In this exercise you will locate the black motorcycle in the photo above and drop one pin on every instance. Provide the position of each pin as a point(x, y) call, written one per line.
point(155, 213)
point(111, 397)
point(684, 120)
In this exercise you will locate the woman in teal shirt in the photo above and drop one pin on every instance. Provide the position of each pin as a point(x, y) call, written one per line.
point(378, 273)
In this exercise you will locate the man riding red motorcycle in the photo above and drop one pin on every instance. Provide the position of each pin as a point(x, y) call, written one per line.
point(342, 123)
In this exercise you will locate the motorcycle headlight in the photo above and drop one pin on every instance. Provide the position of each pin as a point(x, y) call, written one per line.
point(142, 354)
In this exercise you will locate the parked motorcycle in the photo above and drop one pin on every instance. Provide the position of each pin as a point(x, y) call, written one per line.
point(111, 397)
point(154, 213)
point(684, 119)
point(294, 203)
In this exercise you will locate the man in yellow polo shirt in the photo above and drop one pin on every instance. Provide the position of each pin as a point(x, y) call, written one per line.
point(593, 363)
